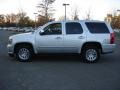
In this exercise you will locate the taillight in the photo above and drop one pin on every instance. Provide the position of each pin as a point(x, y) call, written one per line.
point(112, 38)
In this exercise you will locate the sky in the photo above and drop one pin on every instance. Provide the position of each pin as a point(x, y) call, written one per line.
point(98, 8)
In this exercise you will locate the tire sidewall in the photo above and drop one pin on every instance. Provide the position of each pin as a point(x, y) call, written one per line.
point(17, 55)
point(84, 54)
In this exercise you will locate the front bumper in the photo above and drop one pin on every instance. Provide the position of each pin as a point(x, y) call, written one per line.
point(108, 48)
point(10, 49)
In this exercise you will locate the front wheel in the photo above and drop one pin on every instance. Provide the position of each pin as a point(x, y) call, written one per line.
point(91, 54)
point(23, 53)
point(11, 55)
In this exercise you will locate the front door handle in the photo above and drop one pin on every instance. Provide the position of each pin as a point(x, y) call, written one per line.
point(58, 38)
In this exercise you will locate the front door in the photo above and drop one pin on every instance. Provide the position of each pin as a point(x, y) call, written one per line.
point(51, 39)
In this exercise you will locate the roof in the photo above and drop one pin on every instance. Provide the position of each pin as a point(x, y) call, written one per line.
point(78, 21)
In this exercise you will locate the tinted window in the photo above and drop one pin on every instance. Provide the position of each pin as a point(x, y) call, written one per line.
point(95, 27)
point(52, 29)
point(73, 28)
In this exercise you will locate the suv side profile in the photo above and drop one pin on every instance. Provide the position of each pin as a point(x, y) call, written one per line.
point(88, 38)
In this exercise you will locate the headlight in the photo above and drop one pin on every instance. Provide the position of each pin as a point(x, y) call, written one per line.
point(10, 41)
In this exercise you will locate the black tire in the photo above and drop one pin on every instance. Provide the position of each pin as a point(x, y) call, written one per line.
point(90, 54)
point(11, 55)
point(23, 53)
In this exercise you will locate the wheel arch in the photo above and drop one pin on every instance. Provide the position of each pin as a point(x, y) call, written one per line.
point(96, 44)
point(24, 44)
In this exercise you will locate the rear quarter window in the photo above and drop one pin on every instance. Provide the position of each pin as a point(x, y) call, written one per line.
point(97, 27)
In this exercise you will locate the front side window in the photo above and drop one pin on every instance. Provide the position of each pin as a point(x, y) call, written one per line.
point(53, 29)
point(73, 28)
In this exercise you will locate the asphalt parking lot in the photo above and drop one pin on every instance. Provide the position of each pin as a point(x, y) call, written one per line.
point(58, 72)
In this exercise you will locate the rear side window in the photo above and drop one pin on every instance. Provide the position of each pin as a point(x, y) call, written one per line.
point(73, 28)
point(96, 27)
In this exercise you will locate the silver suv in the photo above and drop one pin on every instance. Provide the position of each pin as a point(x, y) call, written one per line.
point(88, 38)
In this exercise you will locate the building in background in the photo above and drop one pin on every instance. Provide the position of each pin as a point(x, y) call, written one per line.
point(108, 18)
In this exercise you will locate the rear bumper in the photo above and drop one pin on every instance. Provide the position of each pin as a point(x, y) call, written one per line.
point(108, 48)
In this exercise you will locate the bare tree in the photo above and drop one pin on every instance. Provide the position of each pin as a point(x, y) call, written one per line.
point(21, 14)
point(75, 15)
point(88, 15)
point(7, 18)
point(11, 18)
point(19, 19)
point(61, 18)
point(23, 19)
point(46, 9)
point(2, 20)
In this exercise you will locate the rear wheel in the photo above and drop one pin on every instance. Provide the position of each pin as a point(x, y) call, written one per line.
point(91, 54)
point(23, 53)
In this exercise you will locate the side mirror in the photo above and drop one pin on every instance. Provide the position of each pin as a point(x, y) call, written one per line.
point(41, 32)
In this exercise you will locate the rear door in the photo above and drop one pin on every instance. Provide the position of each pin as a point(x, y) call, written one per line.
point(74, 37)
